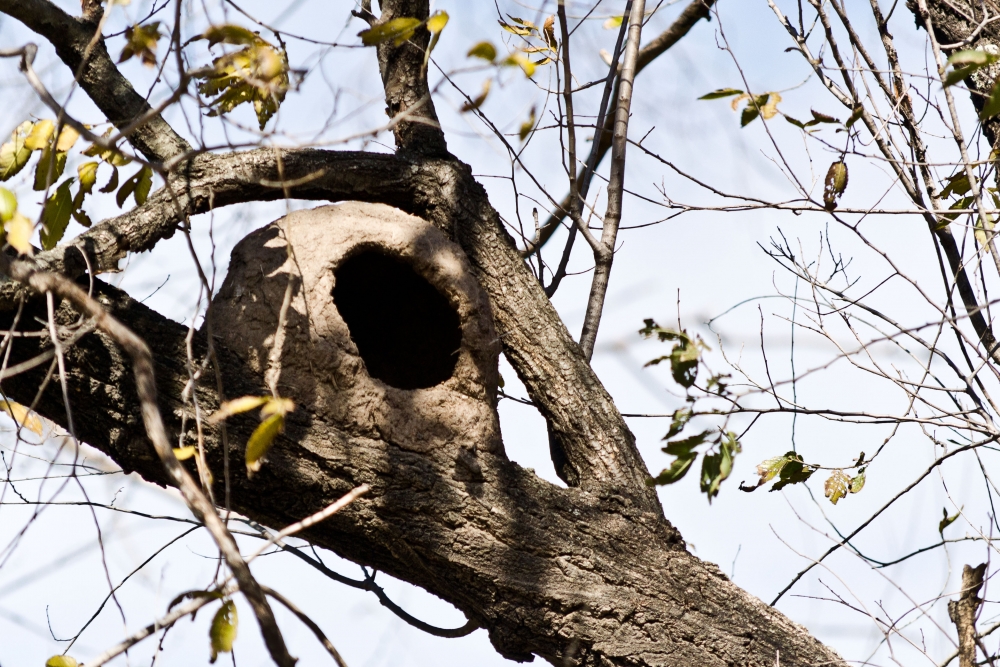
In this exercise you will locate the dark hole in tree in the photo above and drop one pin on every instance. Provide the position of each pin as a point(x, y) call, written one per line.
point(406, 331)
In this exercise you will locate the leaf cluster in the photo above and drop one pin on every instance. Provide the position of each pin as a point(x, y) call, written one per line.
point(257, 74)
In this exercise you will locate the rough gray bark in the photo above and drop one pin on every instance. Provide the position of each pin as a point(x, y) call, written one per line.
point(587, 575)
point(968, 24)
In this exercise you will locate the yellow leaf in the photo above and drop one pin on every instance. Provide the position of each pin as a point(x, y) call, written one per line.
point(8, 204)
point(478, 101)
point(19, 231)
point(522, 61)
point(14, 154)
point(483, 50)
point(61, 661)
point(277, 406)
point(67, 137)
point(261, 441)
point(399, 30)
point(45, 164)
point(837, 486)
point(55, 215)
point(613, 22)
point(222, 634)
point(527, 126)
point(41, 134)
point(770, 109)
point(238, 405)
point(24, 417)
point(834, 185)
point(437, 22)
point(230, 34)
point(184, 453)
point(516, 29)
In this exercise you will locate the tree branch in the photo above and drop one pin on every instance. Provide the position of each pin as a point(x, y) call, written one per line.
point(694, 12)
point(75, 44)
point(599, 446)
point(404, 79)
point(197, 501)
point(548, 571)
point(605, 255)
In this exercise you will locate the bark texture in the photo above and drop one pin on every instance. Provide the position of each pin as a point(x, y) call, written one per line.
point(571, 576)
point(587, 575)
point(965, 25)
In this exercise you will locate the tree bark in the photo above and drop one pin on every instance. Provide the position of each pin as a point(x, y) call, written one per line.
point(587, 575)
point(574, 577)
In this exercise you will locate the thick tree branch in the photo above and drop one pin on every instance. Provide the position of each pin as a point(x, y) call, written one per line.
point(963, 612)
point(599, 446)
point(404, 79)
point(75, 44)
point(575, 578)
point(145, 384)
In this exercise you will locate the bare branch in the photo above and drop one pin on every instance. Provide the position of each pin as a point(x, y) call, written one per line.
point(605, 255)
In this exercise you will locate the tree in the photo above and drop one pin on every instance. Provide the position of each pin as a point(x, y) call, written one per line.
point(590, 574)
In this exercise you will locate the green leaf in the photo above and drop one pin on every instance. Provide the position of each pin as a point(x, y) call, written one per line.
point(56, 214)
point(947, 520)
point(967, 62)
point(14, 154)
point(527, 126)
point(716, 468)
point(753, 109)
point(681, 417)
point(795, 471)
point(835, 184)
point(972, 57)
point(956, 184)
point(855, 115)
point(484, 50)
point(143, 184)
point(992, 106)
point(399, 30)
point(223, 631)
point(61, 661)
point(8, 204)
point(261, 441)
point(720, 93)
point(684, 446)
point(858, 481)
point(675, 472)
point(836, 486)
point(42, 179)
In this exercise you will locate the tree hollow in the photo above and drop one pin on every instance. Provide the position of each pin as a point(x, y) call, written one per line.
point(406, 331)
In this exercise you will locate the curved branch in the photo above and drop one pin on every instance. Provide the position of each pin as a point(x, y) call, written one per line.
point(598, 444)
point(88, 58)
